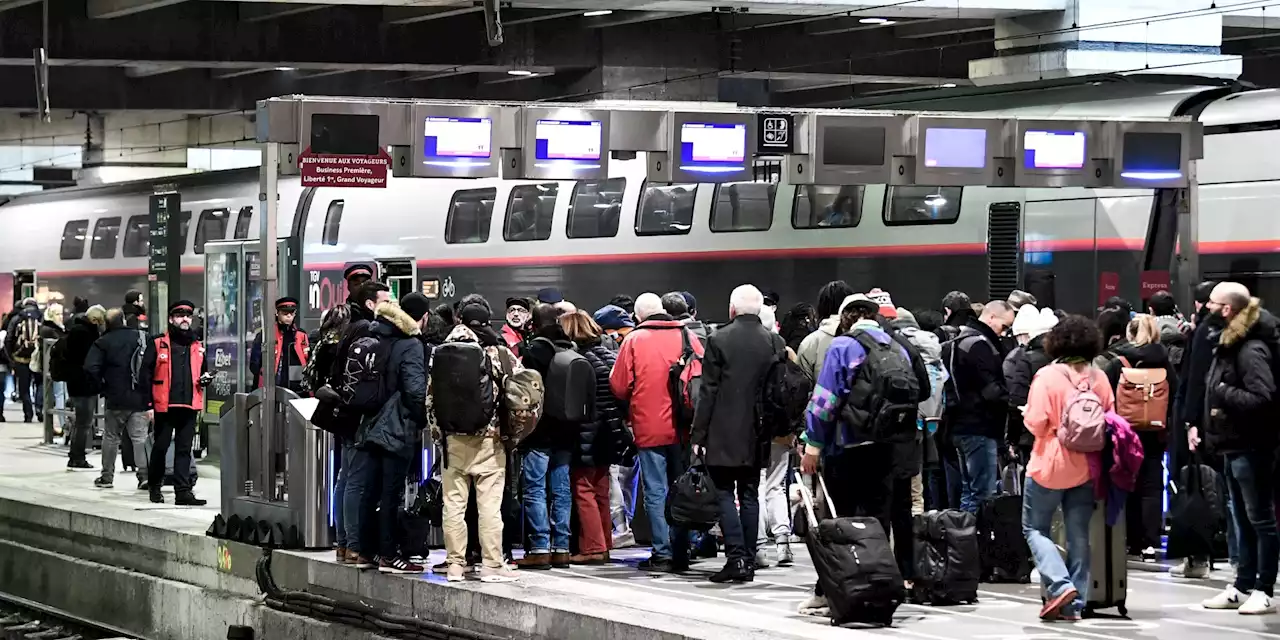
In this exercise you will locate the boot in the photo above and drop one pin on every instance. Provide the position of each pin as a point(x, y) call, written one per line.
point(189, 499)
point(560, 560)
point(538, 561)
point(733, 571)
point(156, 496)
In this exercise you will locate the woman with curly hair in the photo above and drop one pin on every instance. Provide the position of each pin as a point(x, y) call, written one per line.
point(1058, 476)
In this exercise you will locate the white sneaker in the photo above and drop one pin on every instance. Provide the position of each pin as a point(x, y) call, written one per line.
point(1258, 604)
point(1035, 575)
point(762, 559)
point(501, 574)
point(1230, 598)
point(1190, 570)
point(455, 573)
point(785, 557)
point(815, 606)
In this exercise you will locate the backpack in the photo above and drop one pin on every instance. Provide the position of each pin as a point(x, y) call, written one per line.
point(462, 394)
point(787, 388)
point(883, 403)
point(684, 382)
point(570, 386)
point(312, 377)
point(951, 385)
point(26, 339)
point(694, 503)
point(1142, 396)
point(522, 397)
point(363, 387)
point(59, 368)
point(1084, 421)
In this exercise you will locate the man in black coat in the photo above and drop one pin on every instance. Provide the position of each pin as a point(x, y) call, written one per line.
point(977, 421)
point(113, 368)
point(82, 333)
point(726, 425)
point(1240, 423)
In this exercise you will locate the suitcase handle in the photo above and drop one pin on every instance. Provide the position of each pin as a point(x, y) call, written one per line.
point(807, 497)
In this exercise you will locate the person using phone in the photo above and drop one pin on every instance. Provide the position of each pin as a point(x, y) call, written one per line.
point(175, 362)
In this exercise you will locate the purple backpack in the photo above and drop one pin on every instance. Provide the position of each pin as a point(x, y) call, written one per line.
point(1084, 420)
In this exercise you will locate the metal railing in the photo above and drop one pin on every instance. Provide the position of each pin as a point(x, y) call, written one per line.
point(49, 407)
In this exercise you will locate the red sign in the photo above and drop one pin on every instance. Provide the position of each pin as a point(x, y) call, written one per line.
point(1154, 281)
point(328, 170)
point(1108, 285)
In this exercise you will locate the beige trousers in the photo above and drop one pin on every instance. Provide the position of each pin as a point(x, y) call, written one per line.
point(483, 460)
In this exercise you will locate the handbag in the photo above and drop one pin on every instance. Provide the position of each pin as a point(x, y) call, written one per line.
point(693, 503)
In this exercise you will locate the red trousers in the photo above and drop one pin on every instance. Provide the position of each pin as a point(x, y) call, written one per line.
point(591, 499)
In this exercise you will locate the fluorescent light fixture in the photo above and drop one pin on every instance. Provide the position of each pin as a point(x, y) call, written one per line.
point(876, 21)
point(286, 68)
point(597, 12)
point(949, 85)
point(1151, 175)
point(519, 72)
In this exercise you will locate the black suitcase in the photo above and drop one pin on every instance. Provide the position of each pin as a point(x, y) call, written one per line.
point(856, 568)
point(948, 565)
point(1002, 547)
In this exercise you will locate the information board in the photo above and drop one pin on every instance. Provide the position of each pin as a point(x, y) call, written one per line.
point(955, 148)
point(573, 140)
point(449, 139)
point(1151, 155)
point(1054, 149)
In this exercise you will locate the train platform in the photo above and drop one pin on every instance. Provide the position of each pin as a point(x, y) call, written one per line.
point(149, 570)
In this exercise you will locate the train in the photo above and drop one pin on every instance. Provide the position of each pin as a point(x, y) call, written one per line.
point(623, 235)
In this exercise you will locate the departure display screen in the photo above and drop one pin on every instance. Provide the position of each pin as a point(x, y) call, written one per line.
point(948, 148)
point(706, 143)
point(567, 139)
point(853, 146)
point(1152, 155)
point(1053, 149)
point(457, 137)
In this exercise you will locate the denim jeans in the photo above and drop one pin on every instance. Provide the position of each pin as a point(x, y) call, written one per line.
point(359, 481)
point(659, 467)
point(371, 506)
point(738, 522)
point(978, 470)
point(1038, 507)
point(1233, 537)
point(1251, 489)
point(345, 452)
point(82, 427)
point(542, 467)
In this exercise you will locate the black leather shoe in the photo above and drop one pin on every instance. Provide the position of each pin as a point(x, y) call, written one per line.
point(156, 496)
point(733, 571)
point(189, 499)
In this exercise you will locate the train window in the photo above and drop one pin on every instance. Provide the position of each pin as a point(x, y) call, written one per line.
point(137, 238)
point(73, 240)
point(529, 212)
point(826, 207)
point(666, 210)
point(243, 219)
point(106, 231)
point(743, 206)
point(595, 208)
point(470, 214)
point(211, 227)
point(922, 205)
point(333, 222)
point(184, 223)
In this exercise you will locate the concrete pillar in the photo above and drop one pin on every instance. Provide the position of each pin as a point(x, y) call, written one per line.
point(1178, 37)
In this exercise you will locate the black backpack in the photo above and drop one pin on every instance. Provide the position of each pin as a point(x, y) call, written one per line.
point(884, 400)
point(787, 388)
point(462, 389)
point(693, 503)
point(570, 395)
point(364, 388)
point(60, 368)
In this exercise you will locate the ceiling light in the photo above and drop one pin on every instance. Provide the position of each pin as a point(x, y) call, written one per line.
point(519, 72)
point(876, 21)
point(949, 85)
point(286, 68)
point(597, 12)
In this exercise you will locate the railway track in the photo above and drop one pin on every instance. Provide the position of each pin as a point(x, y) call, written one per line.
point(22, 619)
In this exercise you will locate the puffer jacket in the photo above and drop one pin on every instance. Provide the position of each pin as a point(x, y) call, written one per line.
point(601, 441)
point(1241, 395)
point(640, 376)
point(406, 375)
point(80, 338)
point(813, 349)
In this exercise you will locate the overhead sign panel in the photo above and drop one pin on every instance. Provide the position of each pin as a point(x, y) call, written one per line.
point(343, 150)
point(706, 147)
point(565, 144)
point(1152, 154)
point(776, 133)
point(455, 141)
point(945, 151)
point(1060, 153)
point(847, 149)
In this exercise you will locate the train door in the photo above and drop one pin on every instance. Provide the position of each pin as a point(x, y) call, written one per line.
point(399, 274)
point(24, 285)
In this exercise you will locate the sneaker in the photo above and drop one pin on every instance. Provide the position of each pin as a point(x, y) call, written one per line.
point(1258, 604)
point(1148, 554)
point(443, 568)
point(762, 559)
point(1230, 598)
point(1053, 608)
point(814, 606)
point(785, 557)
point(624, 540)
point(78, 465)
point(1190, 570)
point(655, 564)
point(498, 574)
point(103, 483)
point(399, 566)
point(454, 572)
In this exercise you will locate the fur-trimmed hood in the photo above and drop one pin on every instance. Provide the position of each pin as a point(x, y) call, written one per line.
point(392, 314)
point(1253, 322)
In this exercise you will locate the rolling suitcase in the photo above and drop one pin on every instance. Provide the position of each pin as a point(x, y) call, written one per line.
point(948, 565)
point(1002, 547)
point(1108, 566)
point(856, 568)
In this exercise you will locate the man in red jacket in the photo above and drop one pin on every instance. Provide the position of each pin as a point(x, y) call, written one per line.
point(640, 378)
point(175, 369)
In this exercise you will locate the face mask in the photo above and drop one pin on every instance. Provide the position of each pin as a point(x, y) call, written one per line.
point(517, 317)
point(1216, 319)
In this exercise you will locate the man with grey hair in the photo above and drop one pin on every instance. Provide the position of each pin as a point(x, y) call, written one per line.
point(647, 305)
point(726, 425)
point(680, 304)
point(977, 419)
point(1242, 408)
point(1020, 298)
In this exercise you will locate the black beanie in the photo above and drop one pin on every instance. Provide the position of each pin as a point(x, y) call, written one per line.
point(416, 305)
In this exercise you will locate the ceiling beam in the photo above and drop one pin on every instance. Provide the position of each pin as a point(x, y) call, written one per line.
point(408, 15)
point(620, 18)
point(853, 25)
point(262, 11)
point(118, 8)
point(148, 70)
point(6, 5)
point(948, 28)
point(510, 78)
point(241, 73)
point(325, 74)
point(434, 75)
point(556, 15)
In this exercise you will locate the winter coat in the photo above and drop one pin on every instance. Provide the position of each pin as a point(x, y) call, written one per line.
point(80, 338)
point(397, 429)
point(824, 431)
point(977, 373)
point(1020, 368)
point(135, 317)
point(1241, 393)
point(601, 441)
point(538, 354)
point(1174, 334)
point(950, 329)
point(109, 365)
point(813, 349)
point(182, 391)
point(726, 419)
point(287, 346)
point(48, 331)
point(639, 377)
point(1196, 360)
